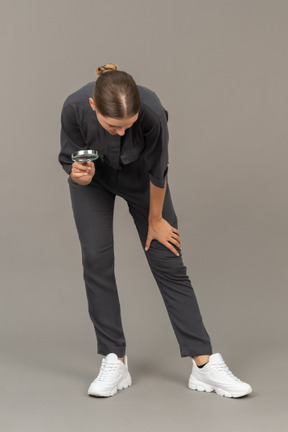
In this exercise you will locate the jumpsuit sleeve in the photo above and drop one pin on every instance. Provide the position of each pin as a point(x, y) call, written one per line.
point(157, 150)
point(71, 138)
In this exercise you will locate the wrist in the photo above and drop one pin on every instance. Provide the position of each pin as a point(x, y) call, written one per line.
point(154, 219)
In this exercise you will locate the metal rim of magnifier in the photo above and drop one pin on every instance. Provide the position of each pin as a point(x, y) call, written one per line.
point(85, 156)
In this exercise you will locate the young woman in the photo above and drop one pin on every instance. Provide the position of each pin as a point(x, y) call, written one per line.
point(127, 125)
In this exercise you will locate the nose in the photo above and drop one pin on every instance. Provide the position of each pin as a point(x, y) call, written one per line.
point(121, 131)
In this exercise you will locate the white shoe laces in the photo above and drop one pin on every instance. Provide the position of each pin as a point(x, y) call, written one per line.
point(222, 367)
point(106, 371)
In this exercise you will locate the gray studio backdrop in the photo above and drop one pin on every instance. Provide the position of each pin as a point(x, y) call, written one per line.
point(220, 69)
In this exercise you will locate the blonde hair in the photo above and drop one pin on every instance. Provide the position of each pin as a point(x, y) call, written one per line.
point(115, 93)
point(109, 67)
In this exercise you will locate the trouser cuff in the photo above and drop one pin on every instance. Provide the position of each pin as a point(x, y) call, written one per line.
point(118, 350)
point(192, 351)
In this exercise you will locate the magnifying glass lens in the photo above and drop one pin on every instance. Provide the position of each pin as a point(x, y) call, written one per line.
point(83, 156)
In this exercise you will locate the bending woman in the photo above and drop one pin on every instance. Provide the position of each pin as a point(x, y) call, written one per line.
point(127, 125)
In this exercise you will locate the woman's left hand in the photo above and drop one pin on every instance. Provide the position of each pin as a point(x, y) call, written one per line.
point(164, 233)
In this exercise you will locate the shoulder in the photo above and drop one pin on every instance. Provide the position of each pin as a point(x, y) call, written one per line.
point(80, 96)
point(150, 100)
point(76, 108)
point(152, 112)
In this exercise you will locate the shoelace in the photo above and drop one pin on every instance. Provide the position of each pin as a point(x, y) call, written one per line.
point(222, 367)
point(106, 371)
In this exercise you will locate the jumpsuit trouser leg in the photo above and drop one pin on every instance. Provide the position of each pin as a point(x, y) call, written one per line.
point(174, 284)
point(93, 207)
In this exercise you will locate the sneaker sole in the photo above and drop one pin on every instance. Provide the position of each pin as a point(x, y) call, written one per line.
point(201, 386)
point(124, 384)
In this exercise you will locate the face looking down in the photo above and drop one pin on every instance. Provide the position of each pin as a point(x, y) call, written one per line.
point(112, 125)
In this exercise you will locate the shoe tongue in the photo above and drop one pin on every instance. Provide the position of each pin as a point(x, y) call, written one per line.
point(216, 358)
point(111, 358)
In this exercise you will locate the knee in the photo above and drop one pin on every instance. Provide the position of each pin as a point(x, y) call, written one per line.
point(164, 262)
point(97, 258)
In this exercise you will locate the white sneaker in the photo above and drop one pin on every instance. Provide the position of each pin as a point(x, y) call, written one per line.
point(113, 376)
point(216, 376)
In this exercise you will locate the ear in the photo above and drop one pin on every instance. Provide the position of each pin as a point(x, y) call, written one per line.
point(92, 104)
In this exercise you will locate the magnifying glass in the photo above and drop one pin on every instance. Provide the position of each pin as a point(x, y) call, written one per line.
point(84, 156)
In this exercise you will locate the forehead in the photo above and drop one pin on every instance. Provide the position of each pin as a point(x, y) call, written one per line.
point(127, 121)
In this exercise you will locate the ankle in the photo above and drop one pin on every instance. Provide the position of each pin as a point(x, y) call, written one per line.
point(201, 360)
point(122, 359)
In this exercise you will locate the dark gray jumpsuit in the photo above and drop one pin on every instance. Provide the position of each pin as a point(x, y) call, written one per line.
point(125, 168)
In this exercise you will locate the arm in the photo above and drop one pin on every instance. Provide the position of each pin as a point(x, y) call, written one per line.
point(157, 196)
point(158, 228)
point(71, 141)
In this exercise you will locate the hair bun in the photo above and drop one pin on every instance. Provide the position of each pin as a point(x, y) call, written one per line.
point(109, 67)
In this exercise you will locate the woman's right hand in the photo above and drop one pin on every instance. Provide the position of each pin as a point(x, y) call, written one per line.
point(82, 174)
